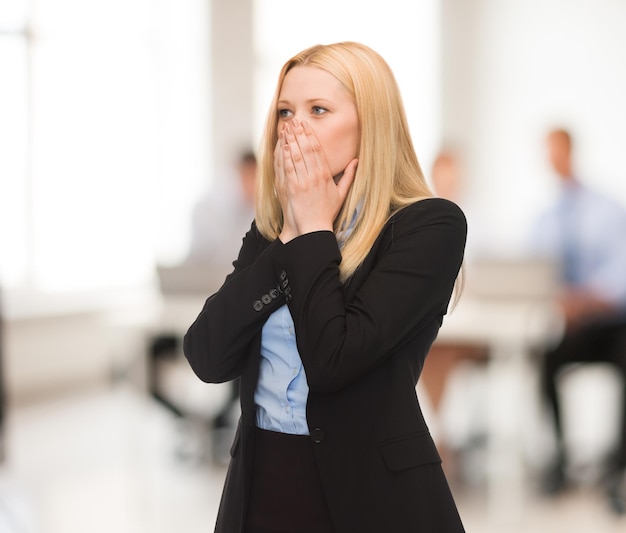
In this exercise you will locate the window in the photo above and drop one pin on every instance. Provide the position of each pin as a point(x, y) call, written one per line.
point(14, 142)
point(104, 109)
point(105, 124)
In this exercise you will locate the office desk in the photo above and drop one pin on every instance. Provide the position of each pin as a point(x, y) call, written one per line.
point(505, 306)
point(511, 327)
point(184, 289)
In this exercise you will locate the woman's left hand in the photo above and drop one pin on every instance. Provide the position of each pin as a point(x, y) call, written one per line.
point(308, 187)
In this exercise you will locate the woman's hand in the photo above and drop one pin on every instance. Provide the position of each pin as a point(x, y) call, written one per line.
point(289, 230)
point(308, 194)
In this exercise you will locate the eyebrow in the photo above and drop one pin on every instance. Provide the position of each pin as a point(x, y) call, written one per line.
point(309, 101)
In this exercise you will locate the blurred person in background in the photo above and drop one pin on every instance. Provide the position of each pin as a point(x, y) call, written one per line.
point(224, 211)
point(444, 357)
point(212, 243)
point(585, 232)
point(219, 218)
point(339, 289)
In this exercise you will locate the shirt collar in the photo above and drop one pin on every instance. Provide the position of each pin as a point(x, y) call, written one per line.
point(343, 235)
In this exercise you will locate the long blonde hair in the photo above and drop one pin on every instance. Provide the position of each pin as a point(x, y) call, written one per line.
point(388, 175)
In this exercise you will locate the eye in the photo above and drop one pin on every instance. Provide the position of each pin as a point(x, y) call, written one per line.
point(318, 110)
point(284, 113)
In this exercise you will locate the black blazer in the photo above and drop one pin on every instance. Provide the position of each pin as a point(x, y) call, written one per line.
point(363, 345)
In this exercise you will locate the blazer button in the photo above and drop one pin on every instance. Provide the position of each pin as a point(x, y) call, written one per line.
point(317, 435)
point(266, 299)
point(283, 275)
point(274, 293)
point(258, 305)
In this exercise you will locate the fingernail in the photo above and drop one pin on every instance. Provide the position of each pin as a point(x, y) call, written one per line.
point(295, 122)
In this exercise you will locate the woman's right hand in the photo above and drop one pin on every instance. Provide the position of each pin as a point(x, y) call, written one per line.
point(289, 230)
point(309, 196)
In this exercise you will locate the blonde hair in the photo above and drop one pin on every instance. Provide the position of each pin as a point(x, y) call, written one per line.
point(388, 175)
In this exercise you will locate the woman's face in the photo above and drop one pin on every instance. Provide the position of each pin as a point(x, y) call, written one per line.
point(317, 97)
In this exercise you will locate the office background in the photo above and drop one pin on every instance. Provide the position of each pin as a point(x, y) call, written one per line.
point(116, 116)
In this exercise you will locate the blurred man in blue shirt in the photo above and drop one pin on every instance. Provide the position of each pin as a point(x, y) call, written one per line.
point(585, 231)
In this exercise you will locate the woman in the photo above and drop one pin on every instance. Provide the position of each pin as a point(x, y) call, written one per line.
point(337, 294)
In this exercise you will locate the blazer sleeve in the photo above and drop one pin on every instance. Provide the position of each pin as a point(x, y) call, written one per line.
point(217, 343)
point(409, 286)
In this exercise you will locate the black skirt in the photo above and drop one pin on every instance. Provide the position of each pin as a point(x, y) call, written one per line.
point(287, 494)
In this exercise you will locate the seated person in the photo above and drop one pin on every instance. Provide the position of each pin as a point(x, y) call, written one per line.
point(585, 232)
point(446, 357)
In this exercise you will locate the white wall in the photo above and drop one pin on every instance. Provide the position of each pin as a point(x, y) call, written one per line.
point(232, 83)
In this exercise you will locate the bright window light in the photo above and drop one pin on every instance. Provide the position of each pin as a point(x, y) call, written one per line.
point(104, 107)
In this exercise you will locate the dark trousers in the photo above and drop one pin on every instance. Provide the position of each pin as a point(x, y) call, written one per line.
point(286, 493)
point(598, 341)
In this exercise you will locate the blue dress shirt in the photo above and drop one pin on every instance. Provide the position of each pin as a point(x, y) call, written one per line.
point(586, 232)
point(282, 390)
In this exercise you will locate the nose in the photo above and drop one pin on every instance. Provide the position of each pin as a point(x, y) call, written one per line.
point(304, 117)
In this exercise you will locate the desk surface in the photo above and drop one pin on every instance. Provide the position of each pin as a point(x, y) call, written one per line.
point(500, 321)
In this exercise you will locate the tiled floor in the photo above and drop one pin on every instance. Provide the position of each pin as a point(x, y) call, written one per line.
point(106, 461)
